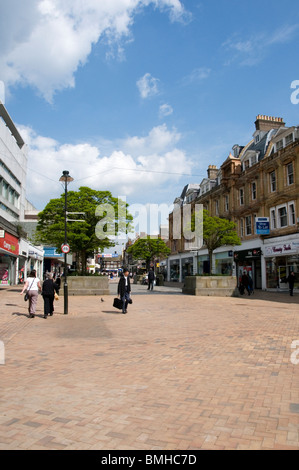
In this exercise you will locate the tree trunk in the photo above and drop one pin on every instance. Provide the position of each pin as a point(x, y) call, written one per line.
point(211, 262)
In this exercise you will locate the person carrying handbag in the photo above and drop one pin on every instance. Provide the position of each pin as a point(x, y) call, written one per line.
point(32, 286)
point(50, 289)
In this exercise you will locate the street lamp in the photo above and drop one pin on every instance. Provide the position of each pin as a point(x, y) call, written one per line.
point(66, 178)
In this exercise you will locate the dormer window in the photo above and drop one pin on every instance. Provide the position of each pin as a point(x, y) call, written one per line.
point(257, 139)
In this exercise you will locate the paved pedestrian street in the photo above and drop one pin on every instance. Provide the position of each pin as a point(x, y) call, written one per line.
point(175, 373)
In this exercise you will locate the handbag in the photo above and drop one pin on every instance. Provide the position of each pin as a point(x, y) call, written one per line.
point(26, 296)
point(56, 296)
point(118, 303)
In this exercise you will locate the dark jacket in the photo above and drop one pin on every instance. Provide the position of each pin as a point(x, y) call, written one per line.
point(122, 286)
point(49, 287)
point(291, 280)
point(244, 280)
point(151, 275)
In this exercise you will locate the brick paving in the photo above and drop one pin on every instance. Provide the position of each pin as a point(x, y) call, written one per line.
point(176, 373)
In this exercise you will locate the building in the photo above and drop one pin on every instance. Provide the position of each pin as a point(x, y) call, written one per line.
point(257, 180)
point(17, 256)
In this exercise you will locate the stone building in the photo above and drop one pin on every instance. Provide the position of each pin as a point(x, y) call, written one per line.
point(258, 180)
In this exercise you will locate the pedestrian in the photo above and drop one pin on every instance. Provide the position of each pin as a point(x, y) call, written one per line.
point(151, 279)
point(48, 293)
point(32, 286)
point(124, 290)
point(58, 283)
point(245, 281)
point(291, 281)
point(250, 284)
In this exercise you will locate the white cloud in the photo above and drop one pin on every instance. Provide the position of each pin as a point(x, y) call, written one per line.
point(197, 75)
point(47, 40)
point(147, 86)
point(252, 51)
point(165, 110)
point(134, 168)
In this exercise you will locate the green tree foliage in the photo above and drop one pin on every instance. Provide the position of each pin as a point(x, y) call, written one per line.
point(83, 237)
point(148, 249)
point(217, 232)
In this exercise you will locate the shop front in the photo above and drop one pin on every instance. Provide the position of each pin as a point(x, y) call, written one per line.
point(9, 251)
point(281, 258)
point(249, 261)
point(181, 266)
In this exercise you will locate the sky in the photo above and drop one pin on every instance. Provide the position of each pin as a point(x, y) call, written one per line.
point(139, 96)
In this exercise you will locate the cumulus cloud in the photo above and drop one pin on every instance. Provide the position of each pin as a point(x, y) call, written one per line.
point(48, 40)
point(148, 86)
point(133, 168)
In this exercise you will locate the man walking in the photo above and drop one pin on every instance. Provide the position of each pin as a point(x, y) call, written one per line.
point(124, 289)
point(151, 278)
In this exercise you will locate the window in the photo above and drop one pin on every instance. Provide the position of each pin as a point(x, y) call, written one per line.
point(279, 145)
point(282, 216)
point(241, 197)
point(226, 203)
point(242, 227)
point(292, 215)
point(217, 207)
point(257, 139)
point(248, 225)
point(253, 191)
point(289, 139)
point(273, 219)
point(290, 174)
point(273, 181)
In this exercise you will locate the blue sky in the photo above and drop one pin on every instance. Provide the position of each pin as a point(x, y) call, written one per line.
point(140, 96)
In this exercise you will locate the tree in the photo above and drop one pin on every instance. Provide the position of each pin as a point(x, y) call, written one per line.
point(217, 232)
point(148, 249)
point(83, 237)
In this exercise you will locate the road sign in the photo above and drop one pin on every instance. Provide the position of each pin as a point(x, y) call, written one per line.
point(65, 248)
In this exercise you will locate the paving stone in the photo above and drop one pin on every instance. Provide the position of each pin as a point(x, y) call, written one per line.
point(177, 372)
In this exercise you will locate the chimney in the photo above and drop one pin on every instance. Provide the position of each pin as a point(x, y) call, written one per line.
point(266, 123)
point(212, 172)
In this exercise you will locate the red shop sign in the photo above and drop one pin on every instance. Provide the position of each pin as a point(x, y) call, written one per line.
point(10, 244)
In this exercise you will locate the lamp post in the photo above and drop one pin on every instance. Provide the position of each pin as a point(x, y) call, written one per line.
point(66, 178)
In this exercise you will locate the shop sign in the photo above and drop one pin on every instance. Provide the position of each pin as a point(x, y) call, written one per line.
point(10, 244)
point(2, 233)
point(247, 254)
point(262, 225)
point(282, 249)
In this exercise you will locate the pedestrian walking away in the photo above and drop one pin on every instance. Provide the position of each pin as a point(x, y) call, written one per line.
point(245, 282)
point(32, 286)
point(58, 283)
point(48, 292)
point(291, 281)
point(124, 290)
point(151, 279)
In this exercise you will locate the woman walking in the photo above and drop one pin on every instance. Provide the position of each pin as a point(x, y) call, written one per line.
point(48, 293)
point(32, 286)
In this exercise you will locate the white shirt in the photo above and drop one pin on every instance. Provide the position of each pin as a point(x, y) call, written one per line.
point(32, 283)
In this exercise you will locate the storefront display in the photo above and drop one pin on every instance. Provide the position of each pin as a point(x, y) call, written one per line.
point(9, 251)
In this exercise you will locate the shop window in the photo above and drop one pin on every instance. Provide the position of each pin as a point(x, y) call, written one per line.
point(290, 174)
point(273, 181)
